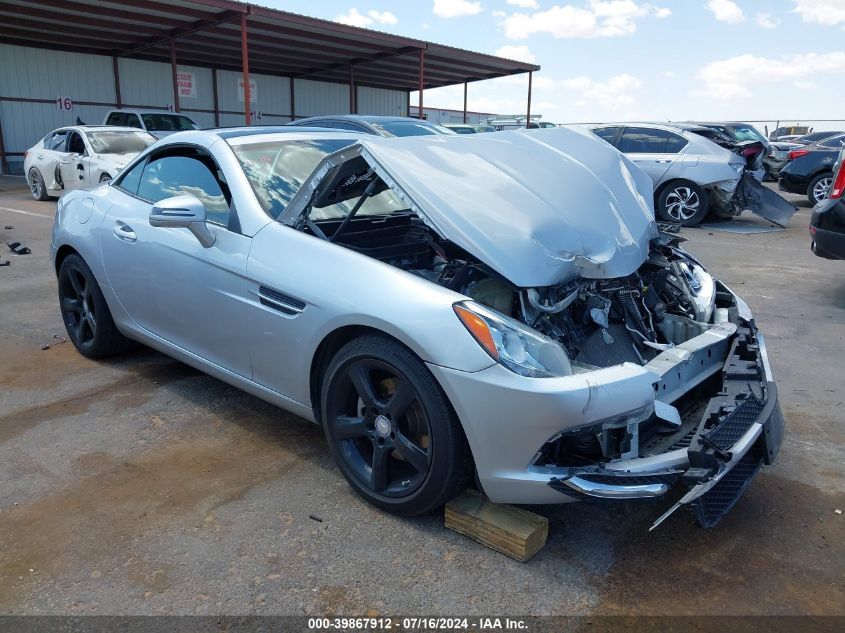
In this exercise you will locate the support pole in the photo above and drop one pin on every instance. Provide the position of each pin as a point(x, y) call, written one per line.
point(465, 102)
point(528, 117)
point(421, 83)
point(214, 95)
point(292, 98)
point(175, 75)
point(245, 68)
point(4, 163)
point(353, 106)
point(116, 73)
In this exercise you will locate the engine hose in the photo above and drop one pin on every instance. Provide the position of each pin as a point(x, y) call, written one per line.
point(560, 306)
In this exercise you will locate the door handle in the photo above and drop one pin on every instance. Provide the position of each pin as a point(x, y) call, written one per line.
point(124, 232)
point(663, 160)
point(65, 162)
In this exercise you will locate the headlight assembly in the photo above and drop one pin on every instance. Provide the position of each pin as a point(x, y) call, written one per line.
point(512, 344)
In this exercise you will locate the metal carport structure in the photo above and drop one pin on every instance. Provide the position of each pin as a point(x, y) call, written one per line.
point(235, 36)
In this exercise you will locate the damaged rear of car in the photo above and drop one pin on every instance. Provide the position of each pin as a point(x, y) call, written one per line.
point(698, 171)
point(618, 367)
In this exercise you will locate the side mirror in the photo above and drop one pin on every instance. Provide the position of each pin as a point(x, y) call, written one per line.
point(185, 212)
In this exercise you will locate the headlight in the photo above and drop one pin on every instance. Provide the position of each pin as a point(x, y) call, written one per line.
point(738, 167)
point(512, 344)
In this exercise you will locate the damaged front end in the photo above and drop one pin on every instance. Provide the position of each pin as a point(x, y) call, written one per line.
point(729, 198)
point(622, 368)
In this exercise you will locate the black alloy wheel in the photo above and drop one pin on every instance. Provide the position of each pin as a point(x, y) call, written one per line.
point(85, 312)
point(391, 429)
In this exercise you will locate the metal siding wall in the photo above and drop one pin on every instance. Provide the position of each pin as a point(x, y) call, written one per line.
point(381, 101)
point(145, 84)
point(273, 98)
point(314, 98)
point(44, 74)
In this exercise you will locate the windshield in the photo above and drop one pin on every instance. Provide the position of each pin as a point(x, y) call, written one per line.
point(167, 122)
point(120, 142)
point(410, 128)
point(747, 133)
point(277, 169)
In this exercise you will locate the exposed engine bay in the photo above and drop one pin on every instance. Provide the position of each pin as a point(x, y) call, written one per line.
point(599, 322)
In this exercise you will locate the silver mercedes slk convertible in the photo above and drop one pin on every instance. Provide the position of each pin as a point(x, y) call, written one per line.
point(501, 305)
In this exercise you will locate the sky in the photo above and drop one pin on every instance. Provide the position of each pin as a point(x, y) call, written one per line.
point(605, 60)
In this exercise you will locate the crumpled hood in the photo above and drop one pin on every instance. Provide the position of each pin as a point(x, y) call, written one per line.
point(537, 206)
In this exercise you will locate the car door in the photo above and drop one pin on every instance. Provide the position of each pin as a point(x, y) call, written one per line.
point(191, 296)
point(74, 164)
point(49, 156)
point(652, 149)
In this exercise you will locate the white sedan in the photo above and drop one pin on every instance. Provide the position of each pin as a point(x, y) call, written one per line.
point(81, 156)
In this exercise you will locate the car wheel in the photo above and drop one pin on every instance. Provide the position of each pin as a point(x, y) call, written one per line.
point(819, 187)
point(682, 202)
point(85, 313)
point(105, 178)
point(391, 429)
point(36, 185)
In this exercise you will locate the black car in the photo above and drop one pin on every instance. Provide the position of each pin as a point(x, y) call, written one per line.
point(827, 222)
point(809, 170)
point(377, 125)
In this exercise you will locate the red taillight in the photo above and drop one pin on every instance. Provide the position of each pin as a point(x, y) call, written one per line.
point(796, 153)
point(838, 186)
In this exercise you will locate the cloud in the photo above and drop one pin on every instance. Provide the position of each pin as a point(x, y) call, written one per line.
point(455, 8)
point(353, 18)
point(731, 78)
point(519, 53)
point(766, 20)
point(827, 12)
point(726, 11)
point(596, 18)
point(662, 12)
point(804, 85)
point(607, 94)
point(524, 4)
point(498, 14)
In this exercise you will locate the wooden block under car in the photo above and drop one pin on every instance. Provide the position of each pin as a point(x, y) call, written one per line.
point(512, 531)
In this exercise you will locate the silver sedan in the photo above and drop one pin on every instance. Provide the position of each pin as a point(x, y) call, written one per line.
point(498, 305)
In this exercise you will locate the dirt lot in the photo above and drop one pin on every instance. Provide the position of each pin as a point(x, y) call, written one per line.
point(140, 486)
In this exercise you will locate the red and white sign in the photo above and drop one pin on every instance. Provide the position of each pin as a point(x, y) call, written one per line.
point(64, 104)
point(187, 83)
point(253, 91)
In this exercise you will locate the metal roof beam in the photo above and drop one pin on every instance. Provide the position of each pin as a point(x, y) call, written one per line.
point(175, 34)
point(355, 61)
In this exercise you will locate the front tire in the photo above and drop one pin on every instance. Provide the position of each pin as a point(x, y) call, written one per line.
point(36, 185)
point(819, 187)
point(682, 202)
point(391, 429)
point(85, 313)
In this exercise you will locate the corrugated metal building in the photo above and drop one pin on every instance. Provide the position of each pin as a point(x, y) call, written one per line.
point(63, 60)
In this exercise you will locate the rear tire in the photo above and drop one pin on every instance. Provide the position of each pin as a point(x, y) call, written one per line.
point(682, 202)
point(391, 429)
point(105, 178)
point(36, 185)
point(819, 187)
point(85, 313)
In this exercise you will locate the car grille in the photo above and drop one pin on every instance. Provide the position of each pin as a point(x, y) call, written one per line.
point(736, 424)
point(717, 502)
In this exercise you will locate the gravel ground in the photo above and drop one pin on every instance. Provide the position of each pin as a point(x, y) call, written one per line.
point(141, 486)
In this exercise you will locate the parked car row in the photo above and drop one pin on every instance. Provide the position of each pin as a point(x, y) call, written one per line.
point(698, 169)
point(367, 284)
